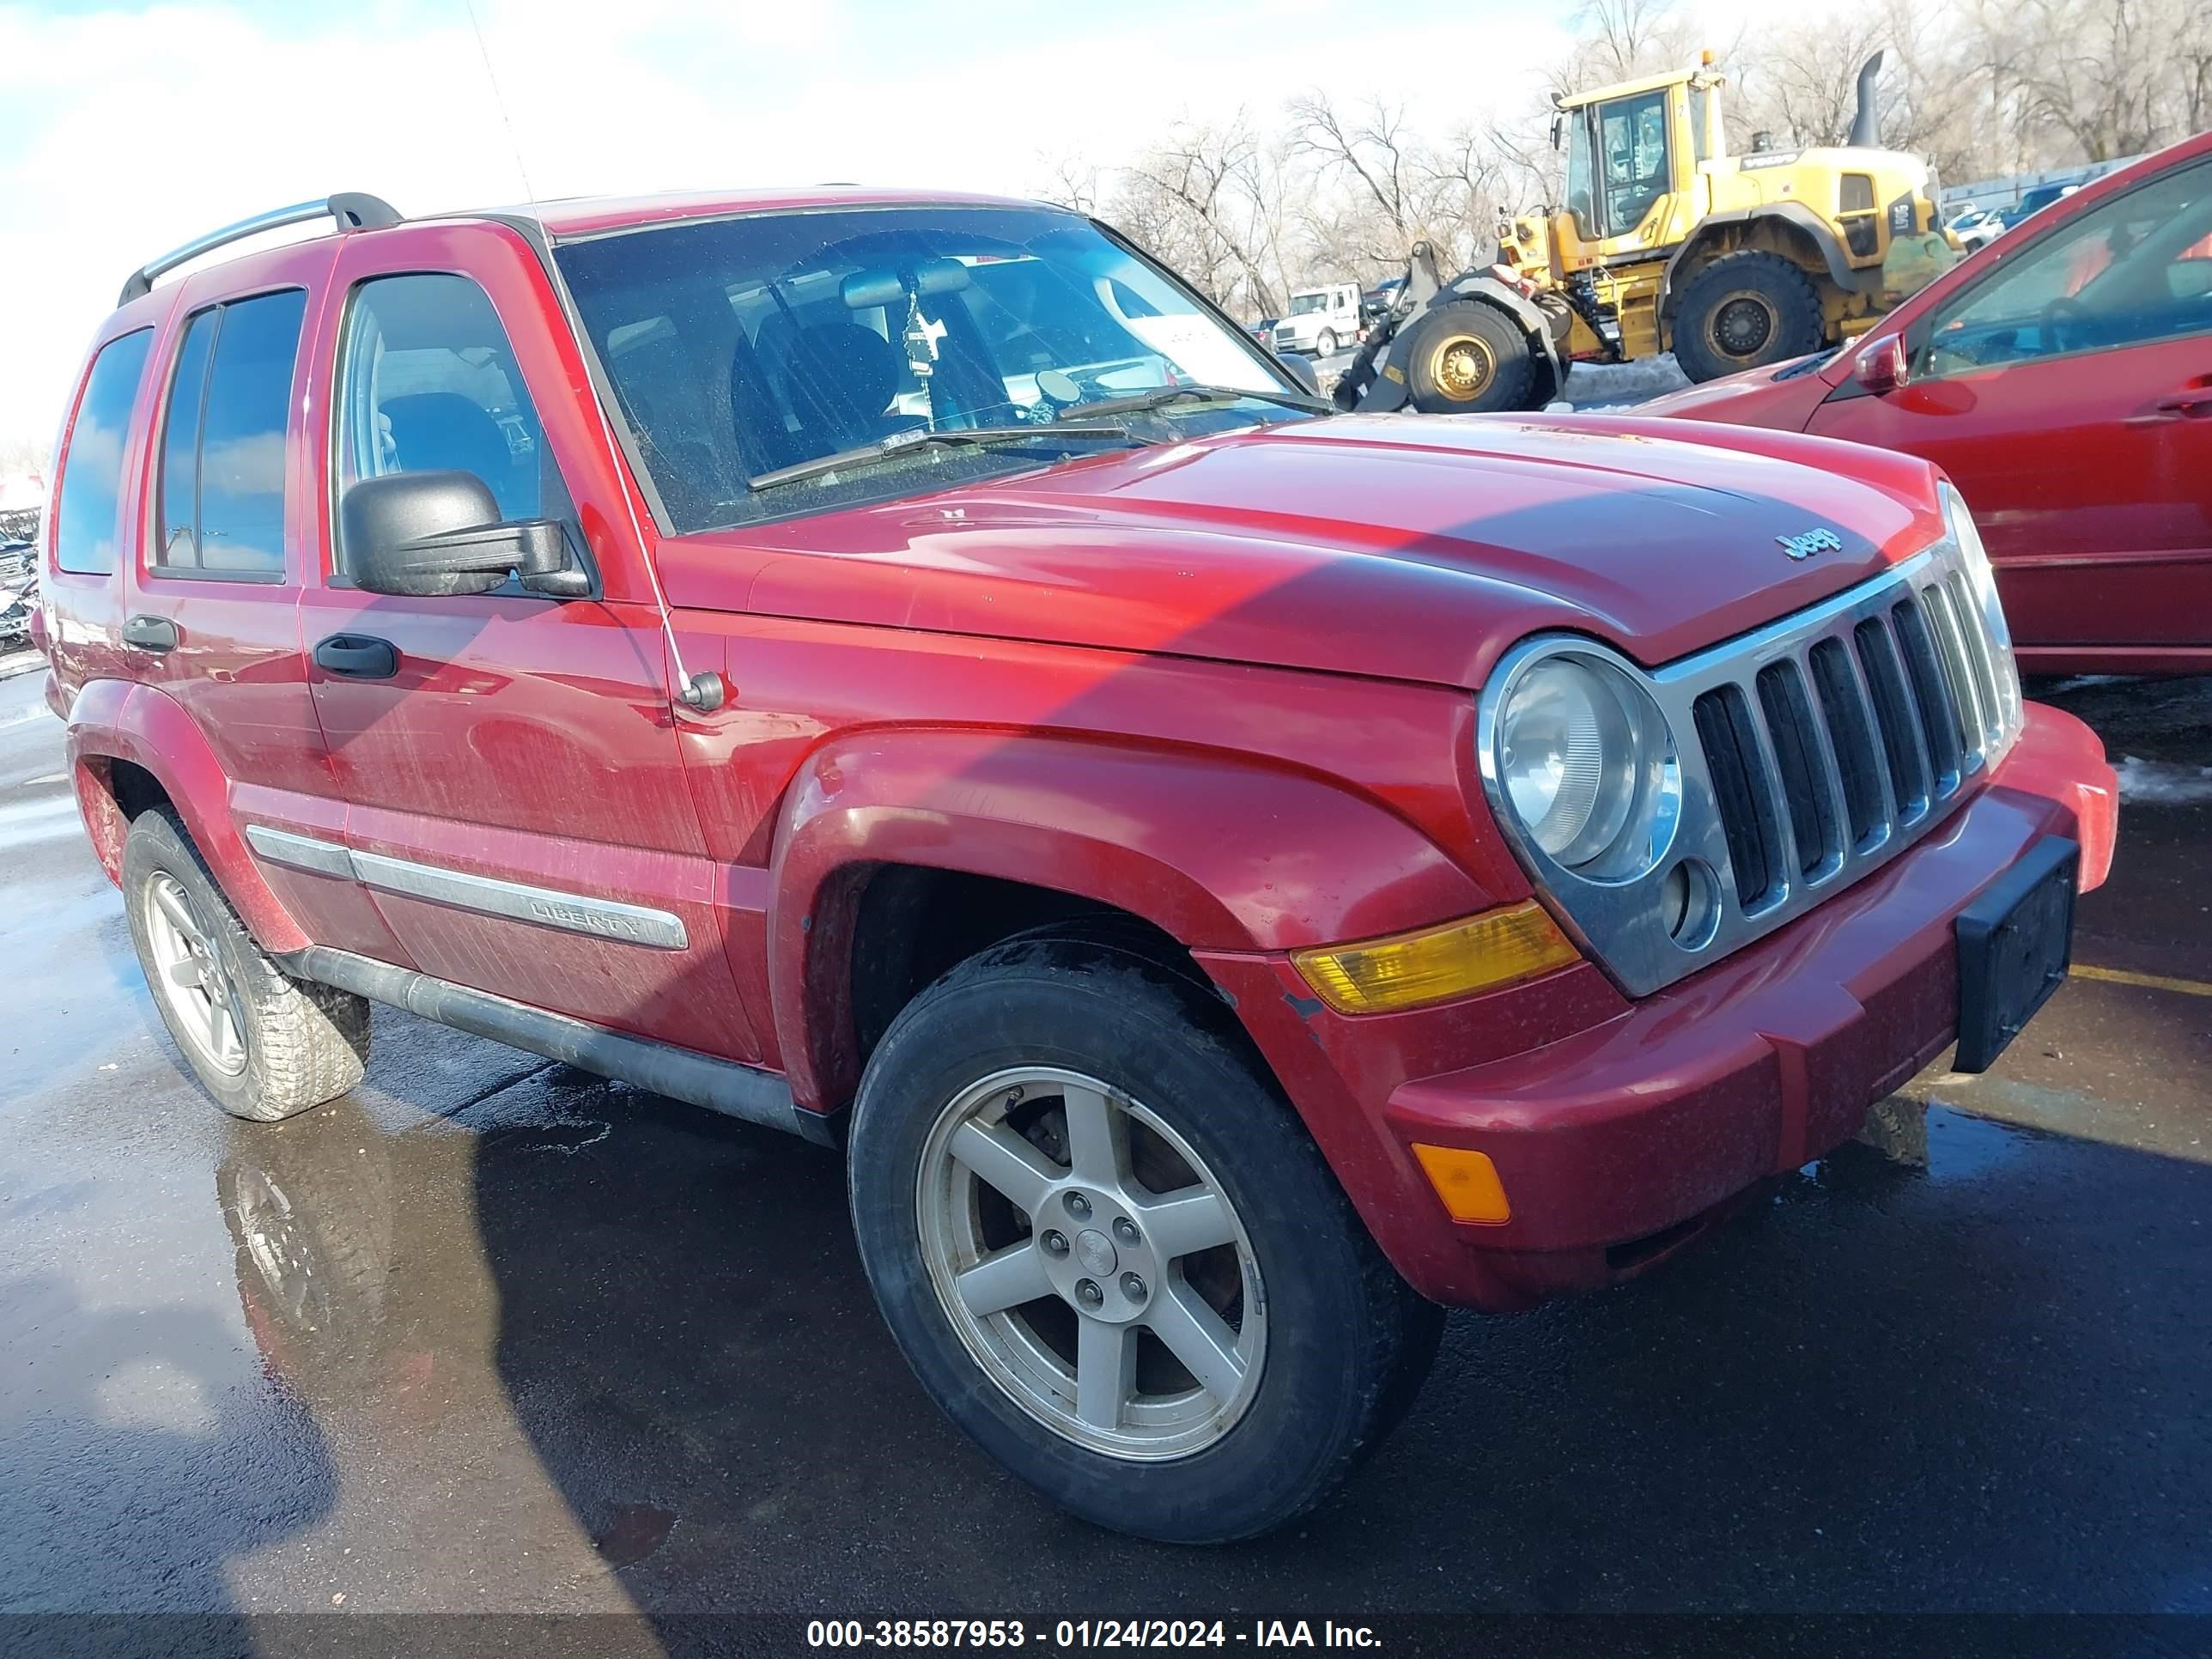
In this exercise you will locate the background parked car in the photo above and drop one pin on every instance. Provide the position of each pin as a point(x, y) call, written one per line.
point(1977, 227)
point(19, 591)
point(2063, 377)
point(2038, 199)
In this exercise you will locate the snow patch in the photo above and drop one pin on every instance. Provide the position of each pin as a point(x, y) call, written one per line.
point(2165, 783)
point(1620, 386)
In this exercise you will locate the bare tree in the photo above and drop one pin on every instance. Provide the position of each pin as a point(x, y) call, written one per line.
point(2094, 74)
point(20, 456)
point(1619, 40)
point(1213, 201)
point(1072, 183)
point(1369, 146)
point(1253, 208)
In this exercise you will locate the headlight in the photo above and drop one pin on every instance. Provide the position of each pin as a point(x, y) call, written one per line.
point(1585, 763)
point(1961, 524)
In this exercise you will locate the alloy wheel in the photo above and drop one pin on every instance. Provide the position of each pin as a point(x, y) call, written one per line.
point(190, 978)
point(1091, 1263)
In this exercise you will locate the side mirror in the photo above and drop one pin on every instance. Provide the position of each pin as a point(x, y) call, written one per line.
point(1559, 129)
point(434, 535)
point(1884, 366)
point(1301, 371)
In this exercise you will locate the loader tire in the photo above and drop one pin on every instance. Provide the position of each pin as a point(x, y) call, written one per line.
point(1467, 358)
point(1745, 311)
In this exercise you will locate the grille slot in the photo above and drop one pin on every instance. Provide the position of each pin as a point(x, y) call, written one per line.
point(1747, 809)
point(1850, 727)
point(1893, 710)
point(1966, 653)
point(1929, 682)
point(1801, 760)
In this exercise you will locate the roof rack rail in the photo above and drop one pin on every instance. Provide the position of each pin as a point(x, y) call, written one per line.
point(351, 208)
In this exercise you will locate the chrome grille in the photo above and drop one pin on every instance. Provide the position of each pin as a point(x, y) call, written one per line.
point(1811, 752)
point(1799, 782)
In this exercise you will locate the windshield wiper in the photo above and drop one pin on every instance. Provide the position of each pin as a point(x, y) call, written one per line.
point(1159, 397)
point(900, 443)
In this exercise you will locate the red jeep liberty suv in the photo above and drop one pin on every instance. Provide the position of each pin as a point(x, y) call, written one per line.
point(908, 670)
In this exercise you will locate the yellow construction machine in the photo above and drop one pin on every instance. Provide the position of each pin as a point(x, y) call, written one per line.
point(1665, 242)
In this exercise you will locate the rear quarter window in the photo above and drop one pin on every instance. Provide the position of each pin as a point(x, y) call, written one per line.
point(85, 539)
point(222, 463)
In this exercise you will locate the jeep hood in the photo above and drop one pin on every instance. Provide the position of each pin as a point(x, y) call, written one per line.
point(1392, 546)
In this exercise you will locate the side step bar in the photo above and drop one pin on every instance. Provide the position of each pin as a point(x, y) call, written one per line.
point(720, 1086)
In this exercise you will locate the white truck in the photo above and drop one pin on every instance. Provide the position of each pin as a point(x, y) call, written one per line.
point(1320, 320)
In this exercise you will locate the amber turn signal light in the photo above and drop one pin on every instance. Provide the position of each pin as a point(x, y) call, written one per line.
point(1468, 1182)
point(1410, 970)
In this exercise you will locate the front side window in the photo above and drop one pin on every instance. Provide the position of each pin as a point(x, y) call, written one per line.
point(92, 465)
point(1632, 149)
point(2128, 272)
point(1701, 122)
point(742, 351)
point(222, 461)
point(428, 382)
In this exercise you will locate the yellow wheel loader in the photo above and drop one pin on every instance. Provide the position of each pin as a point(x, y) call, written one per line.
point(1665, 243)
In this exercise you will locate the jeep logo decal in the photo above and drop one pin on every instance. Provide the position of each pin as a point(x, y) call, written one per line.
point(1812, 542)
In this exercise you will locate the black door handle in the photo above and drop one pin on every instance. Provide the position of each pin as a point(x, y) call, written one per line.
point(155, 634)
point(358, 656)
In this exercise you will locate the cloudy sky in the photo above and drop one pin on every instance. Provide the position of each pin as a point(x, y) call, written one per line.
point(128, 129)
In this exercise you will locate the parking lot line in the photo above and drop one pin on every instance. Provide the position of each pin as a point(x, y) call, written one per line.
point(2188, 987)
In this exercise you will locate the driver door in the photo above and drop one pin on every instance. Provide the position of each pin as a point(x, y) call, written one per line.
point(2069, 393)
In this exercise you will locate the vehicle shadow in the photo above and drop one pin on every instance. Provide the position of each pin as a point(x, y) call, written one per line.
point(1978, 1387)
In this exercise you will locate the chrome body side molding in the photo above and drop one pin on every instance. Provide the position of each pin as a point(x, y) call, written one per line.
point(324, 858)
point(515, 900)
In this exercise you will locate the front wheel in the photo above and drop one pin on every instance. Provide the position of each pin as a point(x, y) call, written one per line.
point(1111, 1254)
point(1325, 344)
point(1467, 358)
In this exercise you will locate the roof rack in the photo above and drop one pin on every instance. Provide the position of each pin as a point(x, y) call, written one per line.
point(352, 209)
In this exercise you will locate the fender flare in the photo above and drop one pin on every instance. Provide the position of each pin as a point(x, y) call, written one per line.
point(1794, 213)
point(121, 720)
point(1143, 830)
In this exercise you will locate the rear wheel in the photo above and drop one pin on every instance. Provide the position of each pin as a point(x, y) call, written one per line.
point(264, 1045)
point(1467, 358)
point(1111, 1254)
point(1745, 311)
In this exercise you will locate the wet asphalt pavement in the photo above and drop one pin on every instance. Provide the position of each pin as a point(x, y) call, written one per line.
point(491, 1335)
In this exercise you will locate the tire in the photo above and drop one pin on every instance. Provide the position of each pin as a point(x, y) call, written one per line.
point(1331, 1344)
point(1467, 358)
point(290, 1045)
point(1746, 310)
point(1325, 344)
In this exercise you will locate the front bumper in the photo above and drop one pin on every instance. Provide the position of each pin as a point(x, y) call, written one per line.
point(1618, 1127)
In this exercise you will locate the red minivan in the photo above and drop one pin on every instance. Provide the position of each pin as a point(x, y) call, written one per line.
point(2063, 377)
point(1230, 878)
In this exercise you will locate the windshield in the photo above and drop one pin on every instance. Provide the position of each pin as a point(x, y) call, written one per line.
point(1301, 303)
point(740, 348)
